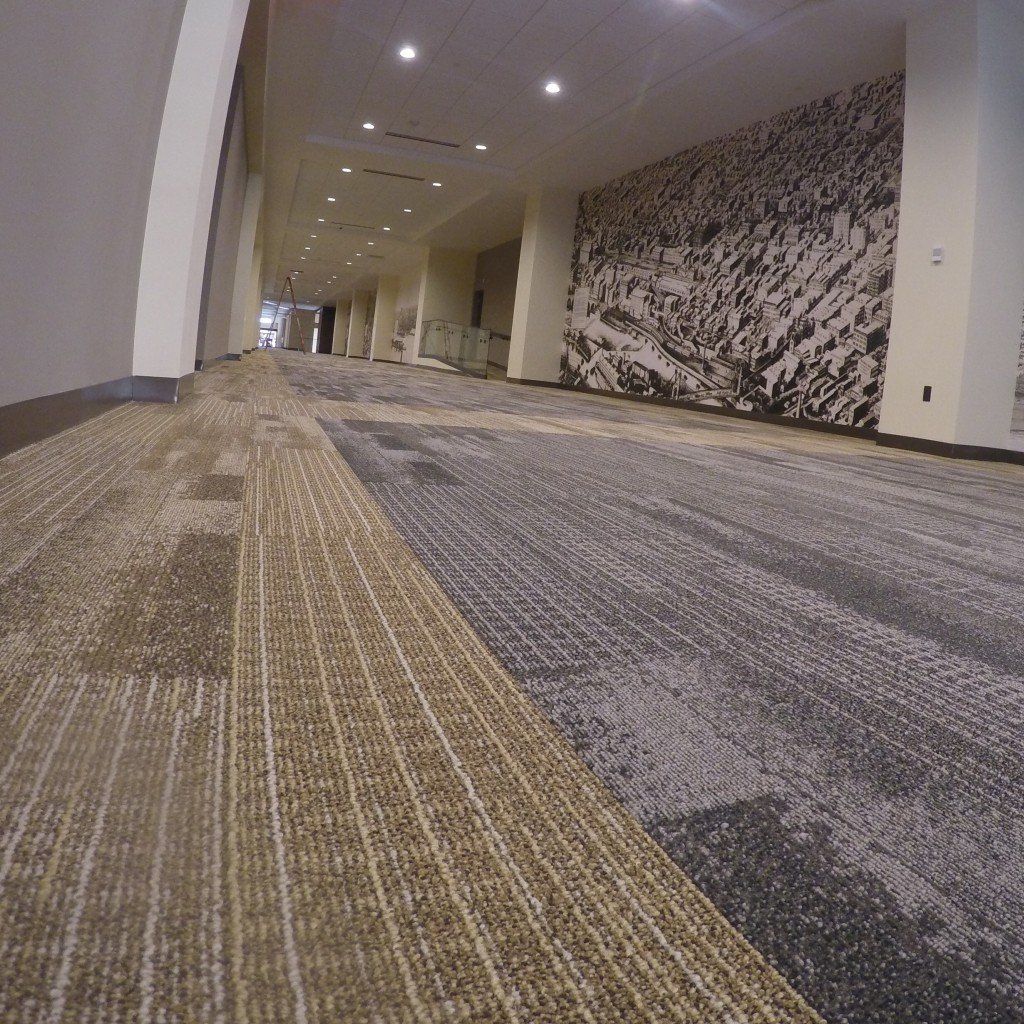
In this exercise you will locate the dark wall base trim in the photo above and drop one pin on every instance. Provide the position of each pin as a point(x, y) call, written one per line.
point(233, 356)
point(199, 365)
point(949, 450)
point(715, 410)
point(543, 384)
point(162, 389)
point(38, 418)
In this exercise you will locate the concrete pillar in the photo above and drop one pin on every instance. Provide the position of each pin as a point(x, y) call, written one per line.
point(959, 284)
point(384, 315)
point(357, 323)
point(181, 195)
point(542, 288)
point(240, 334)
point(446, 290)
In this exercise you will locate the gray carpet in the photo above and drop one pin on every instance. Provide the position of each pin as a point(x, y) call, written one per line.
point(796, 658)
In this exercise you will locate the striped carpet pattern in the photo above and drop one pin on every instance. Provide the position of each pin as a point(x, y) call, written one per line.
point(256, 766)
point(796, 658)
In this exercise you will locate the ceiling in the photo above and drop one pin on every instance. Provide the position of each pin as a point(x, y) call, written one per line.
point(640, 80)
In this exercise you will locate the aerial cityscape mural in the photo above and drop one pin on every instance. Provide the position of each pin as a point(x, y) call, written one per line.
point(752, 272)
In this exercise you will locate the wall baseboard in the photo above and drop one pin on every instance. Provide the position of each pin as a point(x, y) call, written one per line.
point(233, 356)
point(714, 410)
point(949, 450)
point(35, 419)
point(162, 389)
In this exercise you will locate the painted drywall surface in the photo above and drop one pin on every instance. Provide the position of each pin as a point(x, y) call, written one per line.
point(244, 309)
point(956, 323)
point(216, 326)
point(385, 311)
point(997, 283)
point(497, 271)
point(181, 196)
point(82, 87)
point(754, 271)
point(497, 274)
point(446, 289)
point(342, 316)
point(406, 310)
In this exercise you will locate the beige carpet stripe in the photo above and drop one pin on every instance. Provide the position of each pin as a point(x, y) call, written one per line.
point(255, 766)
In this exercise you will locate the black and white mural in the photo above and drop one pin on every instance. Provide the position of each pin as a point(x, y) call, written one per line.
point(405, 332)
point(1017, 425)
point(754, 271)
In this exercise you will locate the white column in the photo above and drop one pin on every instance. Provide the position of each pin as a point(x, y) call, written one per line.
point(254, 309)
point(542, 289)
point(446, 290)
point(385, 311)
point(181, 196)
point(245, 266)
point(341, 321)
point(957, 311)
point(357, 323)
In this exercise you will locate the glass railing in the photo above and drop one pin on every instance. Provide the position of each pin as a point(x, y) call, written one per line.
point(456, 345)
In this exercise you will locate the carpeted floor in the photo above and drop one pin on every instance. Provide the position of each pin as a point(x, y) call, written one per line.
point(254, 765)
point(797, 659)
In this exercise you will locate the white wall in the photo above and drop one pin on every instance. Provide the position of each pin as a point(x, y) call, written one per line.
point(82, 87)
point(542, 289)
point(956, 325)
point(184, 178)
point(244, 303)
point(225, 231)
point(384, 314)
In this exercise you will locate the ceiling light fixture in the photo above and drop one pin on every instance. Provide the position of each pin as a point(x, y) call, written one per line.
point(308, 247)
point(346, 170)
point(407, 53)
point(348, 263)
point(385, 228)
point(331, 199)
point(302, 257)
point(436, 184)
point(372, 243)
point(320, 220)
point(480, 146)
point(407, 210)
point(553, 88)
point(369, 125)
point(312, 236)
point(359, 254)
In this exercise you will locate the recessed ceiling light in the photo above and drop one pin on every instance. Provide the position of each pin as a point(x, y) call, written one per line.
point(302, 257)
point(407, 53)
point(320, 220)
point(359, 254)
point(480, 146)
point(372, 243)
point(369, 125)
point(331, 199)
point(308, 247)
point(348, 263)
point(436, 184)
point(346, 170)
point(385, 228)
point(407, 210)
point(553, 88)
point(312, 236)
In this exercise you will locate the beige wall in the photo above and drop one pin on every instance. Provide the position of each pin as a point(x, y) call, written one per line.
point(82, 87)
point(446, 288)
point(496, 272)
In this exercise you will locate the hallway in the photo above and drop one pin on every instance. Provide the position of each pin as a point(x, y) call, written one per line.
point(350, 692)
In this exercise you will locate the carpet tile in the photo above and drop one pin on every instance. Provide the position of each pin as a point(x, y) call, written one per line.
point(797, 659)
point(256, 766)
